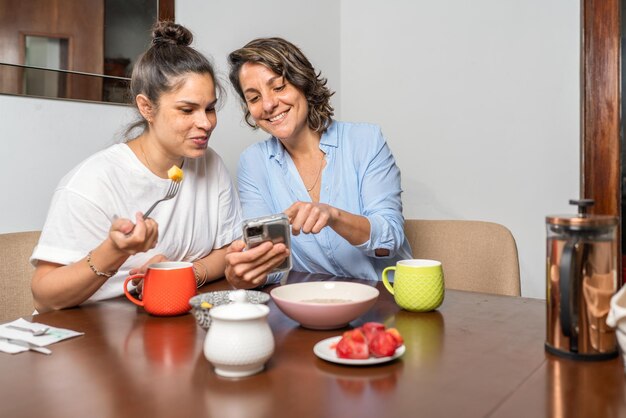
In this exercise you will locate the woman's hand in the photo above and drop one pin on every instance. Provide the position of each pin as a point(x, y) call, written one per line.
point(249, 269)
point(58, 286)
point(310, 217)
point(138, 283)
point(134, 238)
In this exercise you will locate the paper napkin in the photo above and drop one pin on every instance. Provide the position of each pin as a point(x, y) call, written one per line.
point(52, 336)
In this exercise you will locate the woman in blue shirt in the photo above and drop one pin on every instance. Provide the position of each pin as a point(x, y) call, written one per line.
point(337, 182)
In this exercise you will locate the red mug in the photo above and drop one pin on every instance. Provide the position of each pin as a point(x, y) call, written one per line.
point(167, 288)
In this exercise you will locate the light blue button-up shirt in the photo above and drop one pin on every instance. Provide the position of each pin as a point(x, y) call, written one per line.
point(360, 177)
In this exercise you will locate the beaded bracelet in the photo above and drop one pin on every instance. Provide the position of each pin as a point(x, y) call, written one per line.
point(200, 281)
point(96, 271)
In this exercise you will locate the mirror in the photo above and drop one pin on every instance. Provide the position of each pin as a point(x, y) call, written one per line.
point(66, 49)
point(41, 51)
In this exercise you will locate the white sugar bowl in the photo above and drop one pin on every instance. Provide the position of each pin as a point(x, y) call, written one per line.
point(239, 341)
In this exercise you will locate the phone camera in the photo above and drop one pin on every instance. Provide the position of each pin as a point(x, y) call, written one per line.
point(254, 231)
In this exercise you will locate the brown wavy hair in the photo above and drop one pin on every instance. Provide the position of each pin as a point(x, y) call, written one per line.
point(286, 59)
point(169, 57)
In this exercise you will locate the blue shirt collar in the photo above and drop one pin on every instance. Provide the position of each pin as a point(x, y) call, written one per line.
point(328, 139)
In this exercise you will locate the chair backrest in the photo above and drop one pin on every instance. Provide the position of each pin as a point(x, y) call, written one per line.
point(16, 299)
point(476, 256)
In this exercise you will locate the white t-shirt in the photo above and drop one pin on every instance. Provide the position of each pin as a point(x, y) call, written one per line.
point(204, 215)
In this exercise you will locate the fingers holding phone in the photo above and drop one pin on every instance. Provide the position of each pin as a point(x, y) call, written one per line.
point(274, 229)
point(265, 249)
point(249, 268)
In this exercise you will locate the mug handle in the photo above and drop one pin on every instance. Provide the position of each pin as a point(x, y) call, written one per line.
point(386, 280)
point(127, 293)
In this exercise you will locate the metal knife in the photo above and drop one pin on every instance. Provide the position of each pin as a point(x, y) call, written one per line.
point(28, 345)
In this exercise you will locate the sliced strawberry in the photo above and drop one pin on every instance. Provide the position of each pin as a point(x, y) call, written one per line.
point(370, 339)
point(396, 335)
point(371, 328)
point(383, 344)
point(352, 345)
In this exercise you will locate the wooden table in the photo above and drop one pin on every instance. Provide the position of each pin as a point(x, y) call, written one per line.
point(476, 356)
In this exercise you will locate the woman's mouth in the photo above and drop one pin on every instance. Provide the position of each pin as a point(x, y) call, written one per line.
point(201, 141)
point(278, 117)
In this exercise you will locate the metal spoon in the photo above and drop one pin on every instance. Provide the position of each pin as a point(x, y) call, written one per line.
point(35, 332)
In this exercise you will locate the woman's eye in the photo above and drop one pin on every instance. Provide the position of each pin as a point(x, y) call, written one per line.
point(280, 88)
point(210, 110)
point(252, 99)
point(187, 111)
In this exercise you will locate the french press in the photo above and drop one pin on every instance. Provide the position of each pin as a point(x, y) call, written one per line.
point(581, 278)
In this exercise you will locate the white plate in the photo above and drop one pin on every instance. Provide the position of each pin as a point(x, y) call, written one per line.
point(324, 351)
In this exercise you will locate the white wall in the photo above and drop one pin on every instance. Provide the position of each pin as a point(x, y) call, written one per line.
point(41, 140)
point(479, 102)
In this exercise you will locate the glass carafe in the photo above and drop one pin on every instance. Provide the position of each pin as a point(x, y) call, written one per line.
point(581, 277)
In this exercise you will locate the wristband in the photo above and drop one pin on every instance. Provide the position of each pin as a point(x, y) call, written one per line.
point(200, 281)
point(96, 271)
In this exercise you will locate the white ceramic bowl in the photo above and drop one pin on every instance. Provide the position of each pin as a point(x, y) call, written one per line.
point(324, 305)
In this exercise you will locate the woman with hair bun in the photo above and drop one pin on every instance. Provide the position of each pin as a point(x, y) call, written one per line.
point(337, 182)
point(94, 236)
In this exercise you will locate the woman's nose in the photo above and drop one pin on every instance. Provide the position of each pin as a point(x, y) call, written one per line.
point(204, 122)
point(270, 101)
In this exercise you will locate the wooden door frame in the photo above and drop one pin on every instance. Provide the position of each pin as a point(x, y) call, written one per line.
point(166, 10)
point(600, 119)
point(600, 105)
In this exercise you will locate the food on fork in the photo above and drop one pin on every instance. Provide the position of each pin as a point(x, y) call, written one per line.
point(175, 173)
point(371, 339)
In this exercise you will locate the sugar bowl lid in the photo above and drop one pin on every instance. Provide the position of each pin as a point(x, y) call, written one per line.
point(582, 219)
point(240, 309)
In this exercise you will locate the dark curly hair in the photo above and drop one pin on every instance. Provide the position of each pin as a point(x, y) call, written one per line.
point(158, 70)
point(286, 59)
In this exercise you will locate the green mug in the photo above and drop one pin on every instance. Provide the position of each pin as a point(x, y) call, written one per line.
point(418, 284)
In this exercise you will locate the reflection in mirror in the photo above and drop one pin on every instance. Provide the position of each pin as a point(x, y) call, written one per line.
point(67, 84)
point(93, 44)
point(45, 52)
point(127, 33)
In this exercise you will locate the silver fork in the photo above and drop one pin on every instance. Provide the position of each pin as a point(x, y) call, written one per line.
point(171, 192)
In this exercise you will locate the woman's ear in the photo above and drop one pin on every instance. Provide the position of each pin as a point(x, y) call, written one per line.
point(145, 107)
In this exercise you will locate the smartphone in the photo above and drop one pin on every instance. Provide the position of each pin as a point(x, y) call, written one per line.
point(273, 228)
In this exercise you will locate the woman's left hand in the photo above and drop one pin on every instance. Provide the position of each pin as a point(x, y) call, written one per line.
point(138, 283)
point(248, 269)
point(310, 217)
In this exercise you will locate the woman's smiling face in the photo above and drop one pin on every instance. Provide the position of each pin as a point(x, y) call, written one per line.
point(186, 116)
point(276, 105)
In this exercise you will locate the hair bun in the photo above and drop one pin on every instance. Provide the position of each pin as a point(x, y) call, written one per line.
point(170, 33)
